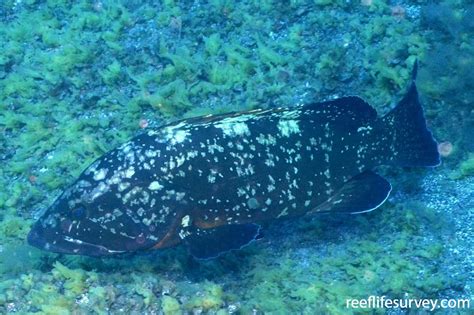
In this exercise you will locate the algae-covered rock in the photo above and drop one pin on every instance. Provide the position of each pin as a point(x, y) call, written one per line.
point(77, 76)
point(13, 227)
point(213, 44)
point(112, 73)
point(75, 279)
point(170, 306)
point(210, 298)
point(466, 168)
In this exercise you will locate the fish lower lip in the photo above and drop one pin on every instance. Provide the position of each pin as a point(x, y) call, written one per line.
point(36, 239)
point(99, 248)
point(68, 246)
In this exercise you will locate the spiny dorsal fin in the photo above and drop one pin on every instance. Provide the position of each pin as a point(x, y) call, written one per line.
point(349, 110)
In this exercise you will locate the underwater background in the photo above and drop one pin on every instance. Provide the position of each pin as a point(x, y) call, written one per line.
point(78, 78)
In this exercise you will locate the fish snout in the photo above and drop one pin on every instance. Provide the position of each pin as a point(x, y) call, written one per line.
point(35, 239)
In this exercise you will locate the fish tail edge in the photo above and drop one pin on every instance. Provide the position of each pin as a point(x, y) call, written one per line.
point(413, 142)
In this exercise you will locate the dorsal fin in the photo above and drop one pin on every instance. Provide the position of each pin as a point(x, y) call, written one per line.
point(351, 110)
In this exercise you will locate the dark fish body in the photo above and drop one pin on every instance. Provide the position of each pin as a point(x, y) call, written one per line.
point(209, 181)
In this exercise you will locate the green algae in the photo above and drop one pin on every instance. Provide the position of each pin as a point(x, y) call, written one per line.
point(466, 168)
point(363, 266)
point(56, 117)
point(75, 279)
point(112, 73)
point(213, 44)
point(209, 298)
point(269, 56)
point(170, 305)
point(13, 227)
point(170, 99)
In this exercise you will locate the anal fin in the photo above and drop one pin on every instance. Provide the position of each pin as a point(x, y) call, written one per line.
point(362, 193)
point(211, 243)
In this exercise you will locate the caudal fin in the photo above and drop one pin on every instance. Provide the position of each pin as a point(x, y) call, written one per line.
point(413, 144)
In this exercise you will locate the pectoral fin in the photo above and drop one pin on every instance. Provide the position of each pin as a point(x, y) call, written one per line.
point(363, 193)
point(211, 243)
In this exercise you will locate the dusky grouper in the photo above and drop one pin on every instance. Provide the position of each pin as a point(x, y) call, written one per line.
point(208, 182)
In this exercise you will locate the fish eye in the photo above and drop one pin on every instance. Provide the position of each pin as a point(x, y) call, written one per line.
point(79, 212)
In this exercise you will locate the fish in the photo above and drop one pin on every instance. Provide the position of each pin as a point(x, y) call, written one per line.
point(210, 182)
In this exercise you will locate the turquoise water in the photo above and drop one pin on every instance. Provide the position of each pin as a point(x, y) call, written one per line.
point(80, 78)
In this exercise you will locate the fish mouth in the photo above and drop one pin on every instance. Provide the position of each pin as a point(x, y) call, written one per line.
point(67, 245)
point(35, 239)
